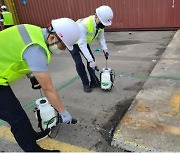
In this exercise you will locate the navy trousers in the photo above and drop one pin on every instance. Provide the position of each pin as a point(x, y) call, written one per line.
point(80, 68)
point(12, 112)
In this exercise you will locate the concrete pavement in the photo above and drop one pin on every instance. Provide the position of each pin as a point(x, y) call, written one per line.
point(132, 56)
point(152, 123)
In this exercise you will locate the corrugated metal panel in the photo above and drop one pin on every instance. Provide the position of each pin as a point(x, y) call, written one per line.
point(128, 14)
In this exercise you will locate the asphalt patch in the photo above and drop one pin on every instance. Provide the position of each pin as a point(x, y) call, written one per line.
point(110, 126)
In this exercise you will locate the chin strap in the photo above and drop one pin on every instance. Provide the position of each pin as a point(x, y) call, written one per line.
point(50, 31)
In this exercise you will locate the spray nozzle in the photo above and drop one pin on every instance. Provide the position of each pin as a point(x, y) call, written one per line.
point(42, 101)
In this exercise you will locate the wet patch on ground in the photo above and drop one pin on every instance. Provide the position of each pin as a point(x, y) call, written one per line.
point(128, 42)
point(136, 87)
point(110, 126)
point(160, 51)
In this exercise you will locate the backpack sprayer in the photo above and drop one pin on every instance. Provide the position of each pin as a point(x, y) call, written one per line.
point(107, 76)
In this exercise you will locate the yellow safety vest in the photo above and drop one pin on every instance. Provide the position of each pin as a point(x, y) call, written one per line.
point(14, 41)
point(90, 28)
point(8, 19)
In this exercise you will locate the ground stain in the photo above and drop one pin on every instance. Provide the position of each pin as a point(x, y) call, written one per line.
point(110, 126)
point(107, 130)
point(160, 51)
point(137, 87)
point(126, 42)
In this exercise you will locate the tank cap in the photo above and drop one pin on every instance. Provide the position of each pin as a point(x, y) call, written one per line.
point(42, 101)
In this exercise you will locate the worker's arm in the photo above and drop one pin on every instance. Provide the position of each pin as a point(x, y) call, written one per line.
point(51, 94)
point(35, 56)
point(82, 43)
point(102, 42)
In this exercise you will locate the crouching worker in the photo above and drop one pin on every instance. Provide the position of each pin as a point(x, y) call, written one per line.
point(29, 50)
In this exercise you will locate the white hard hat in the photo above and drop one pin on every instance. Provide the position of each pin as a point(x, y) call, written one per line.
point(67, 30)
point(105, 15)
point(3, 7)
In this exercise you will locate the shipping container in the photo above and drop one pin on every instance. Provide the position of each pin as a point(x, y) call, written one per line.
point(128, 14)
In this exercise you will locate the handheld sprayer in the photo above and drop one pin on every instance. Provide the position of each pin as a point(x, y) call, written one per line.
point(48, 117)
point(107, 76)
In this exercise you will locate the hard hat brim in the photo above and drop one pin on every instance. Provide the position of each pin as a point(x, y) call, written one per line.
point(69, 47)
point(106, 23)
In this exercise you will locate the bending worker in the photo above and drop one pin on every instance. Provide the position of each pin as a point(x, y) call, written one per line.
point(92, 27)
point(29, 50)
point(7, 17)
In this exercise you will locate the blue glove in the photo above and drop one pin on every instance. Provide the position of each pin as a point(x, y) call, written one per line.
point(65, 117)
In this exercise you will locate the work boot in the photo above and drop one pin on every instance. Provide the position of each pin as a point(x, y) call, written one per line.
point(42, 135)
point(87, 88)
point(94, 85)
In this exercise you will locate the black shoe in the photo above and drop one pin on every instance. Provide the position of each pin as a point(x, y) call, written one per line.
point(42, 135)
point(45, 150)
point(94, 85)
point(87, 88)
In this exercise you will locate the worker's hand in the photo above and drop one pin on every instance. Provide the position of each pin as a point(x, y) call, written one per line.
point(106, 54)
point(92, 64)
point(65, 117)
point(35, 83)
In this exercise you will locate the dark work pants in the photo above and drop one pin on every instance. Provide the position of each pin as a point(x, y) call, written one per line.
point(80, 68)
point(12, 112)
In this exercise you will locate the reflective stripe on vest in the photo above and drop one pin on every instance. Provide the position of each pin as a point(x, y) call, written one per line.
point(8, 19)
point(12, 64)
point(24, 34)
